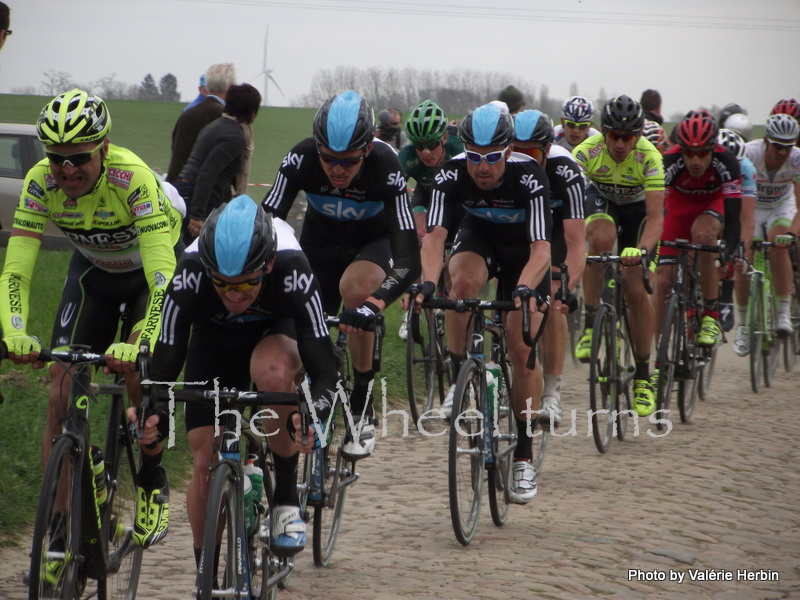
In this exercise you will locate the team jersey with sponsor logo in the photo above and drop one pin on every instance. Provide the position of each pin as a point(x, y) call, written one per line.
point(108, 224)
point(416, 169)
point(566, 184)
point(625, 182)
point(517, 210)
point(374, 206)
point(723, 177)
point(290, 291)
point(777, 187)
point(125, 223)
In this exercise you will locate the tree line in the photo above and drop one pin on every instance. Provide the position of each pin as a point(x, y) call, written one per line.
point(108, 88)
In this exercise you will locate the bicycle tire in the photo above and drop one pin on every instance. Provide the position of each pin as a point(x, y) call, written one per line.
point(54, 527)
point(120, 510)
point(707, 374)
point(574, 328)
point(669, 357)
point(466, 460)
point(223, 526)
point(626, 367)
point(755, 313)
point(603, 377)
point(688, 386)
point(504, 430)
point(421, 363)
point(328, 513)
point(772, 343)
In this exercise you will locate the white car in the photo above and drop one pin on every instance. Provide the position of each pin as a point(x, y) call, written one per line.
point(20, 149)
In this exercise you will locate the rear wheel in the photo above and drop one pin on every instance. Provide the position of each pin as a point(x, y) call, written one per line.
point(689, 383)
point(603, 381)
point(755, 314)
point(223, 527)
point(55, 552)
point(504, 429)
point(466, 451)
point(669, 357)
point(772, 343)
point(421, 363)
point(707, 373)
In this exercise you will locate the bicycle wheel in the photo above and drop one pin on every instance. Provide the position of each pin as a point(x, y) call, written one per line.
point(755, 313)
point(336, 473)
point(792, 346)
point(626, 369)
point(124, 554)
point(669, 357)
point(603, 379)
point(223, 527)
point(690, 380)
point(772, 343)
point(466, 461)
point(55, 553)
point(707, 373)
point(574, 326)
point(421, 351)
point(504, 432)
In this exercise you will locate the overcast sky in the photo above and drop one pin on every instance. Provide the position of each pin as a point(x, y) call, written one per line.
point(695, 52)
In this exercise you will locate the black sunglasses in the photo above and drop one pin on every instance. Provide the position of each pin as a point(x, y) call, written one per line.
point(75, 160)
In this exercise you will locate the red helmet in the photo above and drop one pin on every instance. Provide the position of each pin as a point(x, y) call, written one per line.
point(697, 130)
point(787, 107)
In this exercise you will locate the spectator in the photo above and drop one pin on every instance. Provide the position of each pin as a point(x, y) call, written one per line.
point(220, 158)
point(390, 128)
point(513, 99)
point(202, 92)
point(651, 105)
point(218, 78)
point(5, 23)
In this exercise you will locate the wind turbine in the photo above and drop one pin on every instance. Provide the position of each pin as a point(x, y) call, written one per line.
point(267, 73)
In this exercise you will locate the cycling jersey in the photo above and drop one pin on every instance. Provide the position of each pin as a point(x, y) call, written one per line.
point(748, 177)
point(374, 206)
point(290, 292)
point(124, 224)
point(567, 197)
point(777, 187)
point(625, 182)
point(416, 169)
point(560, 138)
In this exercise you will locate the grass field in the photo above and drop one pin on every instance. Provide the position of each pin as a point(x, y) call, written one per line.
point(145, 128)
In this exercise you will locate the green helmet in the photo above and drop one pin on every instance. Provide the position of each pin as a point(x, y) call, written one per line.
point(426, 123)
point(73, 117)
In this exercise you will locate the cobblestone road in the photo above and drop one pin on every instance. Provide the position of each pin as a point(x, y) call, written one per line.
point(718, 497)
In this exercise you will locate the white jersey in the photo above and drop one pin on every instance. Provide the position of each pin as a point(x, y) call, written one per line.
point(561, 138)
point(775, 188)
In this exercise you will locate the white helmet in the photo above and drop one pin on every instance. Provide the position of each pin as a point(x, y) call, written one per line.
point(732, 141)
point(740, 123)
point(782, 128)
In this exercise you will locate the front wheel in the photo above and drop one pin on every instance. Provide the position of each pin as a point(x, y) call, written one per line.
point(688, 386)
point(707, 374)
point(755, 314)
point(669, 357)
point(603, 378)
point(223, 528)
point(466, 461)
point(504, 440)
point(421, 363)
point(55, 552)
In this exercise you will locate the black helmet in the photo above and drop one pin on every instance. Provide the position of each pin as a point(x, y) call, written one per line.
point(623, 113)
point(344, 122)
point(487, 125)
point(238, 237)
point(533, 126)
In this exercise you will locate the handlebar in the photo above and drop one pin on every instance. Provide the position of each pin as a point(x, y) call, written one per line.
point(607, 257)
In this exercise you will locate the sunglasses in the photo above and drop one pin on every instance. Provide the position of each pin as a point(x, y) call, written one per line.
point(427, 145)
point(702, 153)
point(73, 160)
point(342, 162)
point(574, 125)
point(625, 137)
point(780, 145)
point(241, 286)
point(535, 153)
point(490, 157)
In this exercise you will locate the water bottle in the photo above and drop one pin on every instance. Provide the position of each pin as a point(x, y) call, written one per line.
point(99, 470)
point(249, 512)
point(494, 381)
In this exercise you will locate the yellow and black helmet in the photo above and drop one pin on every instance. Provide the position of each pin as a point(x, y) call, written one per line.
point(74, 117)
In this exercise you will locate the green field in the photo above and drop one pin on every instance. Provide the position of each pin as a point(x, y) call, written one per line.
point(145, 128)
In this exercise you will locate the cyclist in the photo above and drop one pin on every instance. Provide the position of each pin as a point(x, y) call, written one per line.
point(430, 146)
point(734, 117)
point(126, 233)
point(703, 182)
point(654, 132)
point(358, 232)
point(777, 163)
point(506, 228)
point(576, 124)
point(624, 204)
point(533, 136)
point(244, 306)
point(735, 144)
